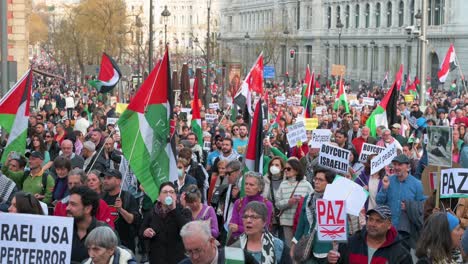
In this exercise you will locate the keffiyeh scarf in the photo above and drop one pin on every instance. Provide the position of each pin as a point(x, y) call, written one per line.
point(268, 247)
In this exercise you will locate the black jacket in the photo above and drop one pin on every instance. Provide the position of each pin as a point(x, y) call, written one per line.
point(222, 258)
point(97, 163)
point(166, 247)
point(392, 251)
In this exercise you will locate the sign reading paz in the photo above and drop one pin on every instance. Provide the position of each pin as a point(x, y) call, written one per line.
point(331, 220)
point(367, 150)
point(35, 239)
point(454, 184)
point(334, 157)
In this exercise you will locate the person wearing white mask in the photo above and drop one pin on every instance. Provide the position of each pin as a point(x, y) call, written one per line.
point(183, 179)
point(273, 179)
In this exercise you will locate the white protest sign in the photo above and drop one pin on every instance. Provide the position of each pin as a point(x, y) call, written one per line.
point(111, 120)
point(319, 109)
point(319, 137)
point(296, 133)
point(334, 157)
point(280, 99)
point(384, 158)
point(214, 106)
point(331, 220)
point(454, 184)
point(349, 191)
point(29, 238)
point(210, 118)
point(367, 150)
point(368, 101)
point(185, 110)
point(297, 99)
point(289, 102)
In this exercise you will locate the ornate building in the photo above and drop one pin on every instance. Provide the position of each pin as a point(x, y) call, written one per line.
point(369, 37)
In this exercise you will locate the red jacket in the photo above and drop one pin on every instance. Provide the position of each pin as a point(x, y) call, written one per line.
point(103, 212)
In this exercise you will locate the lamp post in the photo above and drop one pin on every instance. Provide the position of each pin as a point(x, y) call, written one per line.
point(418, 17)
point(246, 37)
point(327, 54)
point(372, 43)
point(422, 39)
point(4, 37)
point(208, 83)
point(139, 25)
point(339, 26)
point(286, 72)
point(165, 14)
point(150, 40)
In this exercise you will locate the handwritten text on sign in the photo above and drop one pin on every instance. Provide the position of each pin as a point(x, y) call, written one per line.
point(383, 159)
point(334, 157)
point(319, 137)
point(369, 149)
point(296, 133)
point(454, 183)
point(35, 239)
point(331, 220)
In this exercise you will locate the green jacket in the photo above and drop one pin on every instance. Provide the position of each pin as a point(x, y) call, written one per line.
point(16, 176)
point(33, 185)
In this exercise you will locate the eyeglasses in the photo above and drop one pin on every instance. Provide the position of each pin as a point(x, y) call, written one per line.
point(230, 172)
point(288, 168)
point(168, 192)
point(253, 217)
point(47, 136)
point(196, 251)
point(319, 180)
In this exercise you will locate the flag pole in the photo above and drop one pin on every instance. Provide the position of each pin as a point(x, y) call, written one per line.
point(99, 153)
point(461, 72)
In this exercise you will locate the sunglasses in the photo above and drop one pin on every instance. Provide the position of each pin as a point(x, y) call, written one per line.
point(230, 172)
point(288, 168)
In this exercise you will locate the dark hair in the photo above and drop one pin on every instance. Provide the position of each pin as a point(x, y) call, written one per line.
point(164, 184)
point(329, 174)
point(230, 140)
point(62, 162)
point(259, 208)
point(342, 132)
point(435, 240)
point(88, 197)
point(26, 203)
point(297, 166)
point(192, 194)
point(42, 146)
point(185, 153)
point(192, 134)
point(271, 161)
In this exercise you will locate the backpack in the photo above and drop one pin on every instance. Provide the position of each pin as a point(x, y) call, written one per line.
point(44, 180)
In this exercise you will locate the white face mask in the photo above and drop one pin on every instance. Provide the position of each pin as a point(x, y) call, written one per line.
point(180, 173)
point(274, 170)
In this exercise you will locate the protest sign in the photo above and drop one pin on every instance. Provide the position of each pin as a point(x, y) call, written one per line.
point(289, 102)
point(311, 123)
point(368, 101)
point(384, 158)
point(320, 109)
point(347, 190)
point(338, 70)
point(34, 239)
point(413, 121)
point(319, 137)
point(453, 183)
point(296, 132)
point(297, 99)
point(331, 220)
point(439, 146)
point(120, 108)
point(111, 120)
point(185, 110)
point(280, 99)
point(367, 150)
point(210, 118)
point(409, 98)
point(214, 106)
point(429, 177)
point(334, 157)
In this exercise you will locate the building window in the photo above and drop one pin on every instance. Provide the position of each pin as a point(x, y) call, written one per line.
point(356, 22)
point(377, 15)
point(439, 12)
point(412, 12)
point(338, 14)
point(229, 22)
point(365, 57)
point(401, 9)
point(347, 16)
point(386, 58)
point(355, 56)
point(329, 11)
point(389, 14)
point(367, 14)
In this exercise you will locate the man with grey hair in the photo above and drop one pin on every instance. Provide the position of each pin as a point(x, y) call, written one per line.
point(92, 161)
point(67, 151)
point(388, 140)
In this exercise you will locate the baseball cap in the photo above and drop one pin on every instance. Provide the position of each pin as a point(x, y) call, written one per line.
point(382, 210)
point(401, 159)
point(37, 154)
point(396, 125)
point(112, 173)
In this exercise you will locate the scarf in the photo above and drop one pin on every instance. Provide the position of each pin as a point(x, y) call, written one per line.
point(160, 210)
point(310, 209)
point(268, 247)
point(6, 188)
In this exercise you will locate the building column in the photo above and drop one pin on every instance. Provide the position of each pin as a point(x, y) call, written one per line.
point(380, 61)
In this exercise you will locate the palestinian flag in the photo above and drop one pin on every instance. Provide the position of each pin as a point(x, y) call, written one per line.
point(310, 96)
point(341, 97)
point(385, 113)
point(196, 117)
point(109, 75)
point(14, 115)
point(145, 131)
point(253, 83)
point(254, 153)
point(448, 65)
point(411, 87)
point(306, 88)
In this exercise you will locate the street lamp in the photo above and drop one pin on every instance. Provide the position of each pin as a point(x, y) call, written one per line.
point(246, 37)
point(418, 17)
point(339, 26)
point(139, 25)
point(165, 14)
point(372, 43)
point(327, 54)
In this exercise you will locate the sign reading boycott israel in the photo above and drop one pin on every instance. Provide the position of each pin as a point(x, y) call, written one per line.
point(334, 157)
point(454, 183)
point(383, 159)
point(35, 239)
point(367, 150)
point(331, 220)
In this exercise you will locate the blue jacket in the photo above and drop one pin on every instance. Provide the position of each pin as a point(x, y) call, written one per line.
point(464, 156)
point(410, 189)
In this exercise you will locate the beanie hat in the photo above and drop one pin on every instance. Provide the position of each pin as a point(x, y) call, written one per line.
point(453, 221)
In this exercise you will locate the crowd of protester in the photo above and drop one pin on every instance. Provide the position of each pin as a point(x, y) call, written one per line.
point(72, 167)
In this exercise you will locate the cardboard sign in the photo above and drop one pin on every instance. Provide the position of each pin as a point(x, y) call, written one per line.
point(439, 146)
point(210, 118)
point(367, 150)
point(331, 220)
point(120, 108)
point(311, 123)
point(214, 106)
point(368, 101)
point(347, 190)
point(29, 238)
point(409, 98)
point(454, 183)
point(334, 157)
point(111, 120)
point(319, 110)
point(296, 133)
point(338, 70)
point(383, 159)
point(319, 137)
point(280, 99)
